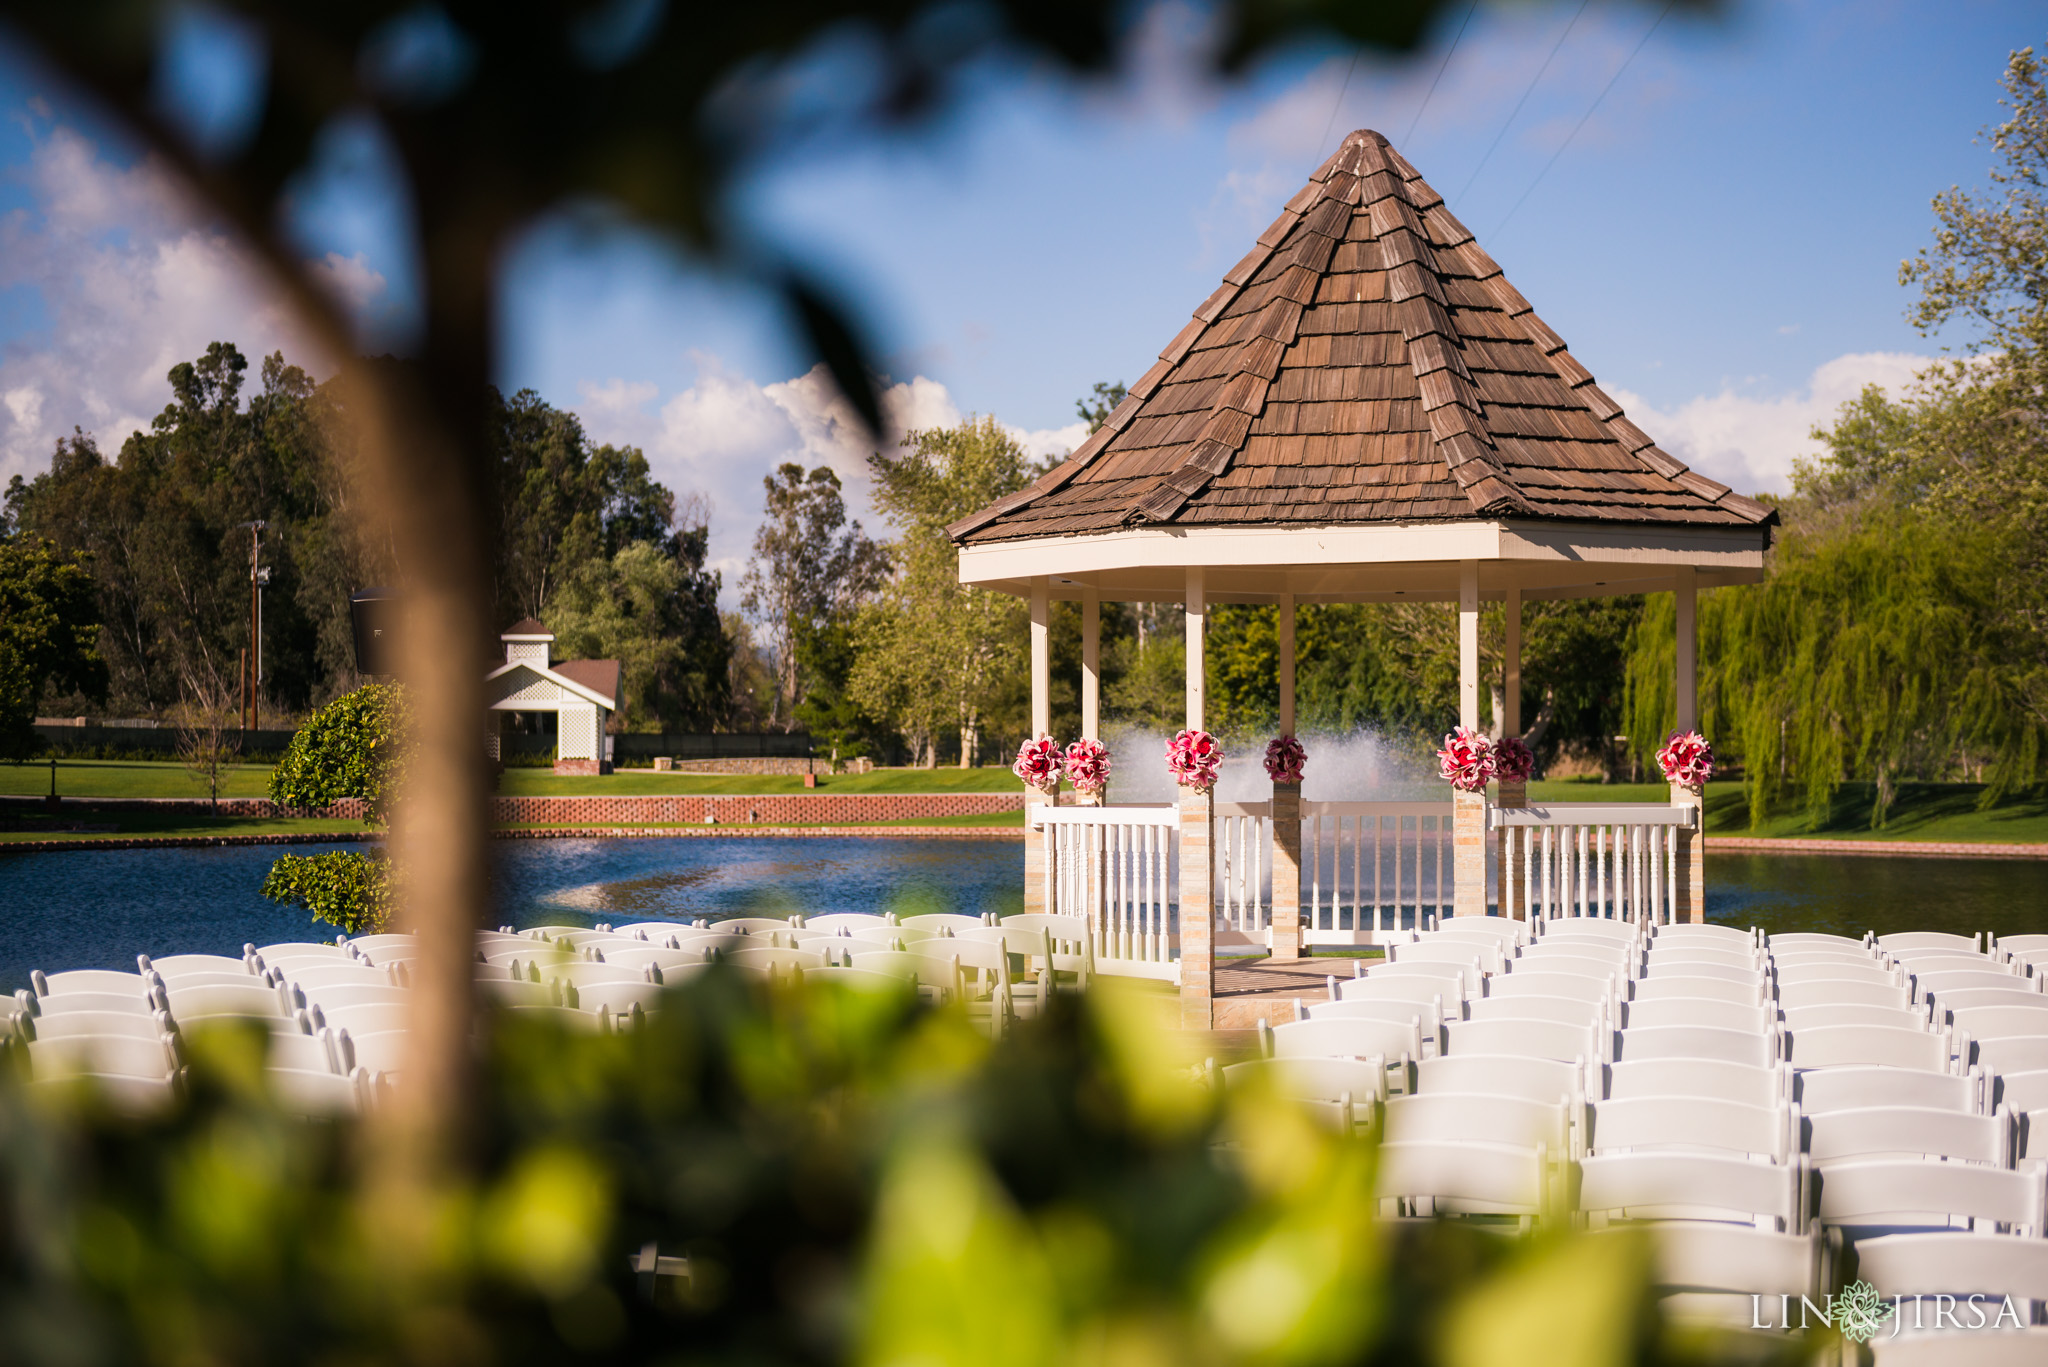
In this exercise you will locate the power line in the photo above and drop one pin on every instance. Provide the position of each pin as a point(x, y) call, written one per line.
point(1582, 120)
point(1412, 123)
point(1509, 122)
point(1342, 90)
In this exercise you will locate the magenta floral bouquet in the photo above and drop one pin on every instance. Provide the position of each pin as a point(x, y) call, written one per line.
point(1466, 760)
point(1088, 766)
point(1038, 764)
point(1285, 759)
point(1687, 760)
point(1513, 761)
point(1193, 757)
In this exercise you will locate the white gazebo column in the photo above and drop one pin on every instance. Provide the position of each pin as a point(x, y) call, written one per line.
point(1197, 847)
point(1692, 844)
point(1509, 882)
point(1091, 665)
point(1036, 841)
point(1285, 936)
point(1468, 810)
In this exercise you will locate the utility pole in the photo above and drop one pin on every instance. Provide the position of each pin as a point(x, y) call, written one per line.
point(252, 660)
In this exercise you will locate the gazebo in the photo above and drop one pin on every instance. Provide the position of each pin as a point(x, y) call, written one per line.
point(1365, 410)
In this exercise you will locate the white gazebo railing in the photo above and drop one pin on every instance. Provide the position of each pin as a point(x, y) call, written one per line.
point(1372, 867)
point(1616, 861)
point(1244, 860)
point(1116, 868)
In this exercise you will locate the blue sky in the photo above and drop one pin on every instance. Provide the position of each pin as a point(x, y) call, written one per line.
point(1719, 240)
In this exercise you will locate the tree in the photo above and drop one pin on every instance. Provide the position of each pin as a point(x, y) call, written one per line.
point(355, 747)
point(1096, 406)
point(932, 653)
point(810, 568)
point(48, 629)
point(209, 733)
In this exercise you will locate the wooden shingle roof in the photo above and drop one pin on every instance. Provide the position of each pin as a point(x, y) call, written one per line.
point(1366, 362)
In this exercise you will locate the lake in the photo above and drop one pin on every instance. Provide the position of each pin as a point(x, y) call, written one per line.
point(98, 910)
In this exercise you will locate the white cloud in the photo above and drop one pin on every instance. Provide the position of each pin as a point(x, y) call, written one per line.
point(131, 280)
point(1749, 441)
point(724, 434)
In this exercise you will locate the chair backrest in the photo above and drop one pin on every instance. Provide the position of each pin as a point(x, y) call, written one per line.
point(1853, 1013)
point(1694, 1186)
point(1503, 930)
point(1912, 1191)
point(248, 998)
point(383, 1051)
point(761, 960)
point(2026, 1091)
point(1576, 956)
point(1954, 980)
point(661, 958)
point(1593, 927)
point(939, 920)
point(928, 969)
point(2021, 944)
point(369, 1018)
point(1651, 1123)
point(2012, 1054)
point(1445, 995)
point(585, 973)
point(1702, 932)
point(1454, 1117)
point(1956, 1264)
point(1473, 960)
point(1924, 965)
point(57, 1024)
point(1313, 1079)
point(179, 965)
point(1459, 1178)
point(518, 992)
point(1531, 1079)
point(1697, 1257)
point(1697, 1012)
point(109, 1055)
point(345, 995)
point(334, 973)
point(1528, 1039)
point(2001, 1022)
point(1666, 986)
point(96, 980)
point(1908, 941)
point(1066, 930)
point(1814, 940)
point(369, 944)
point(983, 956)
point(68, 1003)
point(1847, 1089)
point(309, 1053)
point(1533, 983)
point(302, 949)
point(862, 979)
point(1346, 1038)
point(1746, 974)
point(1837, 970)
point(1427, 1015)
point(751, 925)
point(1562, 1009)
point(1843, 991)
point(1673, 958)
point(1466, 983)
point(1909, 1132)
point(1696, 1041)
point(1714, 1078)
point(854, 922)
point(1837, 1046)
point(1961, 998)
point(192, 982)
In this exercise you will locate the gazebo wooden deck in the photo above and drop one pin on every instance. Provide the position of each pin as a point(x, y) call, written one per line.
point(1365, 410)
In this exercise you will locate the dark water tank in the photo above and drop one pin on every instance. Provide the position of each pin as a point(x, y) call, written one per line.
point(375, 612)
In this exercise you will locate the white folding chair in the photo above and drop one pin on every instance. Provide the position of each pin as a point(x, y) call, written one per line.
point(939, 920)
point(1426, 1017)
point(1829, 1014)
point(782, 960)
point(619, 997)
point(369, 944)
point(1694, 1186)
point(1701, 1077)
point(1695, 1012)
point(1674, 958)
point(1426, 996)
point(2023, 1091)
point(76, 1003)
point(1894, 1194)
point(1693, 1124)
point(1564, 1010)
point(1540, 958)
point(1451, 978)
point(105, 980)
point(310, 977)
point(1712, 1274)
point(1965, 998)
point(1533, 983)
point(1462, 1178)
point(1856, 1088)
point(1844, 992)
point(1933, 984)
point(193, 981)
point(852, 922)
point(1744, 974)
point(1529, 1079)
point(1473, 961)
point(102, 1056)
point(750, 925)
point(667, 960)
point(1836, 971)
point(2001, 1022)
point(1504, 931)
point(1664, 987)
point(1929, 1274)
point(1352, 1038)
point(518, 992)
point(1453, 1118)
point(251, 997)
point(119, 1092)
point(338, 996)
point(1904, 942)
point(1592, 927)
point(1344, 1093)
point(1909, 1132)
point(1815, 940)
point(58, 1024)
point(1704, 932)
point(1839, 1046)
point(2019, 1054)
point(365, 1018)
point(182, 965)
point(1692, 1041)
point(1512, 1037)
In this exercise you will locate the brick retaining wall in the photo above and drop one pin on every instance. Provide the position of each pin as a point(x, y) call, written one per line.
point(820, 809)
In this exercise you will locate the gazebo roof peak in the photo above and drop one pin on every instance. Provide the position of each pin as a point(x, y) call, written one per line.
point(1365, 363)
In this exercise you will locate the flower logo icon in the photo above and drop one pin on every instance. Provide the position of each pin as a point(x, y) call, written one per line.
point(1858, 1312)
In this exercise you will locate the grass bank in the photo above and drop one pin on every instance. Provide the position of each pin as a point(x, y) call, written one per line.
point(1929, 812)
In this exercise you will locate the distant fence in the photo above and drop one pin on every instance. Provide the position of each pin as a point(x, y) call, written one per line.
point(634, 748)
point(93, 740)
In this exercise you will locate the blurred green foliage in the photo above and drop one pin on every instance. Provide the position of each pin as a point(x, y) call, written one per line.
point(850, 1177)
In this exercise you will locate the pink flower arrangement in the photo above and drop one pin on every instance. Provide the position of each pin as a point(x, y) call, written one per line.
point(1088, 766)
point(1466, 760)
point(1193, 757)
point(1513, 761)
point(1687, 760)
point(1285, 759)
point(1038, 764)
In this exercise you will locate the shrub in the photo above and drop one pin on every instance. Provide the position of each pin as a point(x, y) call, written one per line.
point(353, 747)
point(347, 889)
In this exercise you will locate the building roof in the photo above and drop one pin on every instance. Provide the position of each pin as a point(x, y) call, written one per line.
point(526, 629)
point(599, 676)
point(1366, 362)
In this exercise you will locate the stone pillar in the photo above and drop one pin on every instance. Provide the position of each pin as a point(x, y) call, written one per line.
point(1197, 910)
point(1468, 810)
point(1286, 933)
point(1035, 840)
point(1508, 884)
point(1285, 937)
point(1692, 844)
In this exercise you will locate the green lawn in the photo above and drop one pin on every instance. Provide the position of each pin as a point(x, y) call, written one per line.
point(127, 778)
point(973, 821)
point(130, 823)
point(647, 783)
point(1924, 811)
